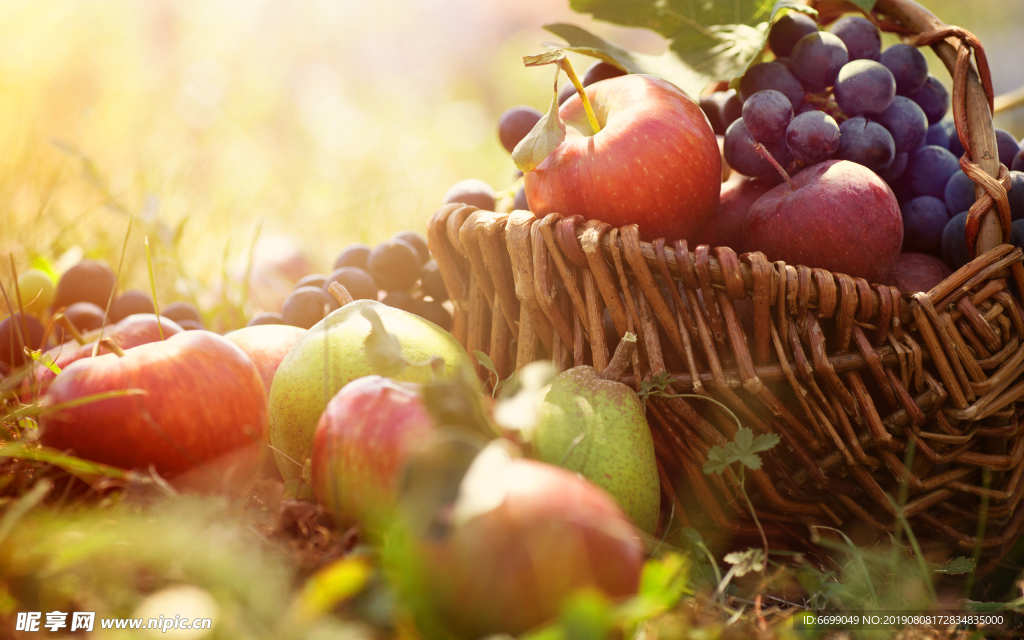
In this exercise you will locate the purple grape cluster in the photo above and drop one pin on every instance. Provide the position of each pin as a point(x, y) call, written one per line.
point(837, 94)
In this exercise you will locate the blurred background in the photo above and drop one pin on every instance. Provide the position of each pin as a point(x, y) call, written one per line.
point(328, 121)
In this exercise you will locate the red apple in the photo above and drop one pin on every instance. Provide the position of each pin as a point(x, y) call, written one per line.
point(837, 215)
point(266, 345)
point(203, 399)
point(131, 332)
point(915, 272)
point(366, 435)
point(509, 569)
point(655, 161)
point(725, 226)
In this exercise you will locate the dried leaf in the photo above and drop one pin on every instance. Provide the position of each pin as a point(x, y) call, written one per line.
point(744, 562)
point(383, 349)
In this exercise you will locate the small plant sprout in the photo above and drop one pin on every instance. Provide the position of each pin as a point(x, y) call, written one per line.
point(743, 450)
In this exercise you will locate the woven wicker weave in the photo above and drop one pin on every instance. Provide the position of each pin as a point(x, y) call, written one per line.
point(849, 374)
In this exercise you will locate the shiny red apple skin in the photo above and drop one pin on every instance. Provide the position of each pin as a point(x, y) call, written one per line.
point(135, 330)
point(915, 272)
point(365, 437)
point(655, 161)
point(266, 345)
point(842, 217)
point(204, 398)
point(510, 569)
point(725, 226)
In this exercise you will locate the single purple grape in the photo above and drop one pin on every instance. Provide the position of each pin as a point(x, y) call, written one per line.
point(817, 59)
point(812, 137)
point(742, 156)
point(908, 67)
point(867, 143)
point(906, 122)
point(862, 39)
point(864, 87)
point(787, 31)
point(929, 169)
point(933, 99)
point(959, 193)
point(771, 75)
point(766, 115)
point(924, 219)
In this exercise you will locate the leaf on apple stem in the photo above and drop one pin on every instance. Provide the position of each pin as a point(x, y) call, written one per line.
point(544, 138)
point(383, 349)
point(708, 42)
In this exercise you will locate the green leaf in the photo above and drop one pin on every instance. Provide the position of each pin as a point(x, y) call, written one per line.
point(44, 359)
point(587, 615)
point(664, 580)
point(546, 135)
point(383, 349)
point(744, 562)
point(717, 462)
point(864, 5)
point(709, 41)
point(485, 361)
point(764, 442)
point(778, 10)
point(667, 65)
point(956, 566)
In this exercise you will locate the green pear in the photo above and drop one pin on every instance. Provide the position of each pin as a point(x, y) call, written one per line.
point(596, 427)
point(332, 354)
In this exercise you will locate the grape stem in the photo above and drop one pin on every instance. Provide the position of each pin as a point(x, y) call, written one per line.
point(567, 67)
point(778, 167)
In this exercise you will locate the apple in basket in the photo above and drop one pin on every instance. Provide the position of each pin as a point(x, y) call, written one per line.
point(629, 150)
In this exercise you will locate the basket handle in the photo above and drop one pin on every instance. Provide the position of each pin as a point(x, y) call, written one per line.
point(987, 226)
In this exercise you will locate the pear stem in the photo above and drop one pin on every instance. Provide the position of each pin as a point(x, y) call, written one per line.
point(70, 327)
point(340, 293)
point(622, 359)
point(111, 346)
point(569, 71)
point(778, 167)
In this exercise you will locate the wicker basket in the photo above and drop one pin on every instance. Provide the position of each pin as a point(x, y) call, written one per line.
point(848, 373)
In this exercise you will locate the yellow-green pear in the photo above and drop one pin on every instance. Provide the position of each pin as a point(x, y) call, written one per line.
point(333, 353)
point(596, 427)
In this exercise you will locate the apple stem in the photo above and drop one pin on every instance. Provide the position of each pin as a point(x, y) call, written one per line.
point(340, 293)
point(569, 71)
point(622, 359)
point(111, 346)
point(70, 327)
point(778, 167)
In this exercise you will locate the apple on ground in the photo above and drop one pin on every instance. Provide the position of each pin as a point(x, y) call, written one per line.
point(531, 536)
point(266, 345)
point(654, 162)
point(363, 441)
point(202, 398)
point(836, 215)
point(333, 353)
point(135, 330)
